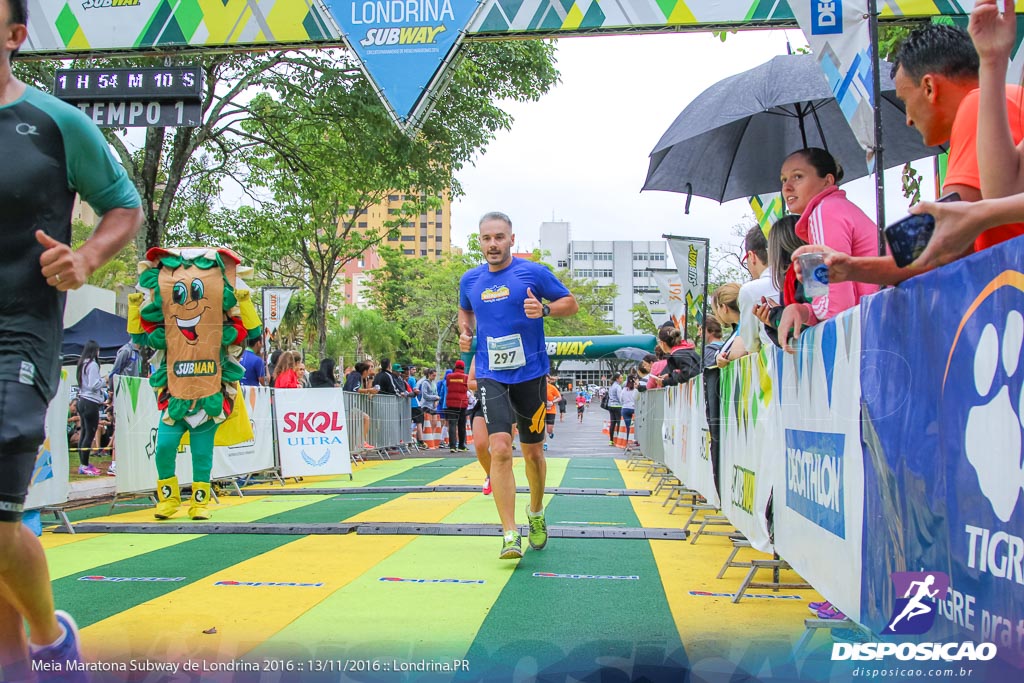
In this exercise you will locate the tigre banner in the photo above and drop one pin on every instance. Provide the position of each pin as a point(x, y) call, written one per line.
point(943, 419)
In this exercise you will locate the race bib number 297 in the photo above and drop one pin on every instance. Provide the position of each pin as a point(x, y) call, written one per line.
point(505, 353)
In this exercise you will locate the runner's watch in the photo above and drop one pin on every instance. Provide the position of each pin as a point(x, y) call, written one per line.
point(546, 311)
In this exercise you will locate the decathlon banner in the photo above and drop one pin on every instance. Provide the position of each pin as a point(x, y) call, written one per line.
point(275, 304)
point(943, 412)
point(671, 288)
point(837, 31)
point(699, 473)
point(751, 443)
point(310, 426)
point(138, 420)
point(819, 492)
point(691, 257)
point(404, 46)
point(50, 484)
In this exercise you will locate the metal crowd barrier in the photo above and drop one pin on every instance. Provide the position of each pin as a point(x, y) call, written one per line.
point(648, 423)
point(377, 423)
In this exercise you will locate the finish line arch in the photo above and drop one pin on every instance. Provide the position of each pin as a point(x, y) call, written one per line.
point(134, 27)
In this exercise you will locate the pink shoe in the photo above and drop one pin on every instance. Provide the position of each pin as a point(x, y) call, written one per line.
point(88, 470)
point(831, 612)
point(487, 486)
point(815, 606)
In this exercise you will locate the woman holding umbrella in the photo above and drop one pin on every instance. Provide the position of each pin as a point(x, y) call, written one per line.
point(810, 187)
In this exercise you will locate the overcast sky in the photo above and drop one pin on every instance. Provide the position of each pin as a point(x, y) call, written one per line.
point(580, 154)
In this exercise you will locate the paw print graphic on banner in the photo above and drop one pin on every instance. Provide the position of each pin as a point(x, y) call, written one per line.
point(992, 437)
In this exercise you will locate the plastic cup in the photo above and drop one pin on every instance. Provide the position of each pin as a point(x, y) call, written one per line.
point(815, 274)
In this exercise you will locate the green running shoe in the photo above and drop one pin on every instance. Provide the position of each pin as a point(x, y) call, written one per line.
point(512, 547)
point(538, 529)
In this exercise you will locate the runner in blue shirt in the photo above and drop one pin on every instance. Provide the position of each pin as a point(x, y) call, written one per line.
point(503, 300)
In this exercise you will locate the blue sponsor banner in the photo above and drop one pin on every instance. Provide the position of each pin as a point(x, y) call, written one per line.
point(826, 17)
point(814, 478)
point(402, 43)
point(941, 376)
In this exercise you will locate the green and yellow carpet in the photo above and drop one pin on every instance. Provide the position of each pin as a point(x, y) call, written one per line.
point(408, 607)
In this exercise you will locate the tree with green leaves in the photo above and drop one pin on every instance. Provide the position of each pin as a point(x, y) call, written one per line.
point(327, 151)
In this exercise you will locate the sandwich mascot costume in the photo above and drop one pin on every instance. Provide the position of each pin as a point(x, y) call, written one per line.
point(198, 317)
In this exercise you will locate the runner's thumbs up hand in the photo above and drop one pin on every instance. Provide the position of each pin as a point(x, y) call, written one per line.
point(465, 339)
point(532, 305)
point(63, 268)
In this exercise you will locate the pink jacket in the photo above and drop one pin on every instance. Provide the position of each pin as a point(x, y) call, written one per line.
point(834, 221)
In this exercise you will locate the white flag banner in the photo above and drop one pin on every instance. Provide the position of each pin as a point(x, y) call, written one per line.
point(50, 484)
point(838, 33)
point(655, 303)
point(691, 257)
point(275, 303)
point(671, 289)
point(310, 432)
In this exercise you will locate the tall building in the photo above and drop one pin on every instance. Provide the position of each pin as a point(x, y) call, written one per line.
point(428, 236)
point(619, 262)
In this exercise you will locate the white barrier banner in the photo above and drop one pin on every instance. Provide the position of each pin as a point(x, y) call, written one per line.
point(751, 444)
point(310, 425)
point(673, 431)
point(699, 474)
point(819, 494)
point(50, 484)
point(138, 418)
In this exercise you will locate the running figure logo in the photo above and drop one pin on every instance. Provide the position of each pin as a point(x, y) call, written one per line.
point(914, 613)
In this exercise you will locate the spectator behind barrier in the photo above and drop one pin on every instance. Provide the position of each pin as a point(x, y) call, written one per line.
point(285, 374)
point(761, 287)
point(958, 225)
point(725, 305)
point(810, 180)
point(683, 363)
point(782, 242)
point(324, 377)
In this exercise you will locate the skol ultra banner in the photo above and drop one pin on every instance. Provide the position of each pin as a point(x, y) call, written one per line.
point(275, 303)
point(311, 433)
point(691, 257)
point(942, 379)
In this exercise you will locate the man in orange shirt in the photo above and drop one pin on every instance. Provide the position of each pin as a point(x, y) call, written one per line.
point(554, 396)
point(936, 76)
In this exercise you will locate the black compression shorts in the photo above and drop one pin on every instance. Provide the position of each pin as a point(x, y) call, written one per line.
point(522, 404)
point(22, 415)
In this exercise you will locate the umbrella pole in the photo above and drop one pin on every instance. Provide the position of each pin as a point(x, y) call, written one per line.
point(876, 96)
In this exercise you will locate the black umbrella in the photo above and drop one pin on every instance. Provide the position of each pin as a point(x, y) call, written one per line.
point(631, 353)
point(731, 141)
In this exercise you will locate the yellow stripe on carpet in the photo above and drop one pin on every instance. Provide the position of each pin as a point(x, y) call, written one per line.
point(174, 627)
point(686, 567)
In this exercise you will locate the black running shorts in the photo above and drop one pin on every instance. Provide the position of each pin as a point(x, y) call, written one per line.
point(522, 404)
point(22, 416)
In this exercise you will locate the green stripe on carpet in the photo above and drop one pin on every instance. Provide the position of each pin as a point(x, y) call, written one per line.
point(558, 627)
point(92, 601)
point(403, 620)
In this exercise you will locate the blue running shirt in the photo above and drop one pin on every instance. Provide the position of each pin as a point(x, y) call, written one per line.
point(497, 300)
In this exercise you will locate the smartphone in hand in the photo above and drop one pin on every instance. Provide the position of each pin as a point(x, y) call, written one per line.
point(909, 236)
